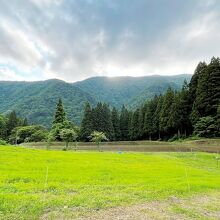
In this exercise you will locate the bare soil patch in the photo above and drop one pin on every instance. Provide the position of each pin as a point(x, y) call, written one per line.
point(196, 207)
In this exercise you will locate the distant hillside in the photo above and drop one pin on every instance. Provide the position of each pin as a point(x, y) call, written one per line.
point(130, 91)
point(37, 100)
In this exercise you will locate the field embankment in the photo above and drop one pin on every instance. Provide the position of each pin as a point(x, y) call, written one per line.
point(203, 145)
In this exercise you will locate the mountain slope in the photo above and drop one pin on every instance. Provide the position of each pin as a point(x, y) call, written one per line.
point(130, 91)
point(37, 100)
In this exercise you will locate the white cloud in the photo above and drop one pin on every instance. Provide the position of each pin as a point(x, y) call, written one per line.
point(73, 40)
point(8, 74)
point(43, 3)
point(18, 48)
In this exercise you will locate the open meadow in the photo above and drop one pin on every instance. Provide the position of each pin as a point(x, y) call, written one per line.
point(54, 184)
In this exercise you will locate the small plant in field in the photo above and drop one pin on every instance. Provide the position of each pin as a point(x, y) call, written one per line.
point(68, 135)
point(97, 137)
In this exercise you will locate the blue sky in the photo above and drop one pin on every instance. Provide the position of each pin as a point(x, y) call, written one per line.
point(76, 39)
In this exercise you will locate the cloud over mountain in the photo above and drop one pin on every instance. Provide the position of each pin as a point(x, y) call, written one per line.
point(73, 40)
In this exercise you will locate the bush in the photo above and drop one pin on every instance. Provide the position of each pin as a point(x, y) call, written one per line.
point(3, 142)
point(32, 133)
point(177, 138)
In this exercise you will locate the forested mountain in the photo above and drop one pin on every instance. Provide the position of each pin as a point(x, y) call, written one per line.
point(37, 100)
point(130, 91)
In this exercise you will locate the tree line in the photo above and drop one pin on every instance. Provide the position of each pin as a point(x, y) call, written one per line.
point(194, 110)
point(14, 129)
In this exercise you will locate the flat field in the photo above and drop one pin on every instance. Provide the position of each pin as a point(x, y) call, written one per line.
point(46, 184)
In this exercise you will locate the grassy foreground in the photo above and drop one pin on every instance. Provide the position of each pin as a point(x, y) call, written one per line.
point(34, 182)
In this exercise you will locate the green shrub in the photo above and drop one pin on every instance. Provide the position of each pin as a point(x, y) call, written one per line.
point(32, 133)
point(3, 142)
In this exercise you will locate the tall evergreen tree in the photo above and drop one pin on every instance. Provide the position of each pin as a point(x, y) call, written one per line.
point(148, 121)
point(97, 117)
point(157, 117)
point(214, 80)
point(174, 122)
point(202, 100)
point(2, 127)
point(141, 123)
point(208, 92)
point(60, 115)
point(130, 114)
point(107, 122)
point(134, 129)
point(165, 111)
point(194, 81)
point(102, 119)
point(115, 124)
point(218, 119)
point(87, 123)
point(185, 110)
point(12, 121)
point(124, 123)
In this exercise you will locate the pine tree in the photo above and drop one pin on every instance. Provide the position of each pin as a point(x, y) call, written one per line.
point(156, 119)
point(165, 111)
point(130, 114)
point(124, 123)
point(150, 126)
point(208, 92)
point(202, 101)
point(2, 127)
point(140, 123)
point(185, 110)
point(148, 121)
point(12, 121)
point(194, 81)
point(115, 124)
point(97, 117)
point(218, 119)
point(107, 122)
point(60, 115)
point(214, 84)
point(174, 122)
point(87, 123)
point(134, 130)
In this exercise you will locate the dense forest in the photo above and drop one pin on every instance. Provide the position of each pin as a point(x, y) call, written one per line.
point(193, 110)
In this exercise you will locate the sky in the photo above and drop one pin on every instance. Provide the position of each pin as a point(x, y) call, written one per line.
point(76, 39)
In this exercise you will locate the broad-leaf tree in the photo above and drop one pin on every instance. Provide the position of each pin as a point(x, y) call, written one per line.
point(97, 137)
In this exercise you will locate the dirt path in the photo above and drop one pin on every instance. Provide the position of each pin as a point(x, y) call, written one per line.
point(197, 207)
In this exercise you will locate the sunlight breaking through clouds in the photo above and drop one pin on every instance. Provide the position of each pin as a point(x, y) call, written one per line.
point(73, 40)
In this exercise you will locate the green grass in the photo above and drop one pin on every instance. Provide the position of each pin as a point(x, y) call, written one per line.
point(33, 182)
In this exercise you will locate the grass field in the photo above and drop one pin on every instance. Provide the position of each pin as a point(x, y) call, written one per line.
point(37, 183)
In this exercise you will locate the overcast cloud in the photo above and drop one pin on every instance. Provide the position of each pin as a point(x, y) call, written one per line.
point(76, 39)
